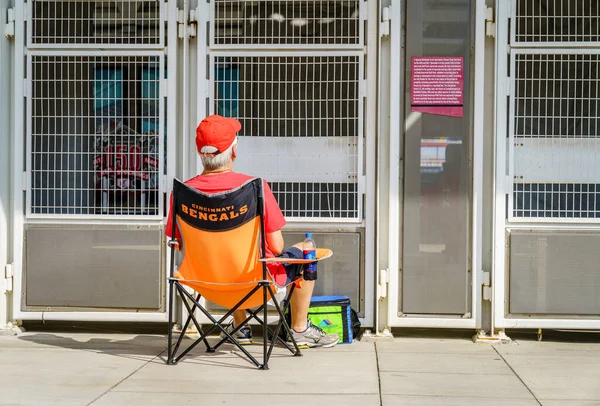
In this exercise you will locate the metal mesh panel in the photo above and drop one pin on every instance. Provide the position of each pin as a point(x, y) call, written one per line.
point(557, 200)
point(301, 118)
point(94, 125)
point(287, 22)
point(556, 149)
point(103, 23)
point(560, 21)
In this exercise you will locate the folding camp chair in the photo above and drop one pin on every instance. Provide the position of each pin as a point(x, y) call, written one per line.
point(222, 236)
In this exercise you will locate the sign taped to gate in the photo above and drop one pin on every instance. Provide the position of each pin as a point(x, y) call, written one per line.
point(437, 85)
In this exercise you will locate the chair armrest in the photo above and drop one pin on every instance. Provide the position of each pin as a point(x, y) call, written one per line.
point(322, 253)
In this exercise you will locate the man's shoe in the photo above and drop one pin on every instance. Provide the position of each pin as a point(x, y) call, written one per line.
point(243, 335)
point(314, 337)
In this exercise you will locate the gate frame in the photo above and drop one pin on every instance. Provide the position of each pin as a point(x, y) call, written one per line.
point(502, 226)
point(368, 92)
point(395, 205)
point(169, 17)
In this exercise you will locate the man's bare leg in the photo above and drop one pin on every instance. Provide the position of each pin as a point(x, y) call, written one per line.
point(239, 316)
point(300, 303)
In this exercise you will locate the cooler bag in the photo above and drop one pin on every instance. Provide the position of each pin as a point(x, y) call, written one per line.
point(333, 314)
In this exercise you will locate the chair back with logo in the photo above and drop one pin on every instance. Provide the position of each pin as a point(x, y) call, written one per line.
point(222, 238)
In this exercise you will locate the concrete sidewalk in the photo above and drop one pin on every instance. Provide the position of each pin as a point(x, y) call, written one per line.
point(47, 368)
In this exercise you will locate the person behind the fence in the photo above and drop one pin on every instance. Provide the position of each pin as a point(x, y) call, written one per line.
point(216, 142)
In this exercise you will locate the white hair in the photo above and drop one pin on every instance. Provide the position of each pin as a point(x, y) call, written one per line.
point(216, 162)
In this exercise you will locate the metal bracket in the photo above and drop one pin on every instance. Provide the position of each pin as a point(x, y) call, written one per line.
point(490, 25)
point(8, 279)
point(487, 288)
point(384, 279)
point(370, 337)
point(192, 24)
point(186, 25)
point(384, 26)
point(364, 10)
point(9, 28)
point(362, 91)
point(163, 87)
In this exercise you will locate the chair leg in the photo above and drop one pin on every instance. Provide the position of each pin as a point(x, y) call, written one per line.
point(283, 322)
point(192, 318)
point(171, 359)
point(266, 353)
point(170, 331)
point(216, 324)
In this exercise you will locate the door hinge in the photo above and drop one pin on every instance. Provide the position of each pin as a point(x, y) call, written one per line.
point(384, 279)
point(384, 26)
point(164, 87)
point(9, 28)
point(364, 11)
point(490, 25)
point(193, 24)
point(180, 24)
point(487, 286)
point(8, 278)
point(186, 25)
point(362, 91)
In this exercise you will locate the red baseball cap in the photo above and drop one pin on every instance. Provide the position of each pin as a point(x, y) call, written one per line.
point(217, 131)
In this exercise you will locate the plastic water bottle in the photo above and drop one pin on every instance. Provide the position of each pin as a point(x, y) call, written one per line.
point(309, 249)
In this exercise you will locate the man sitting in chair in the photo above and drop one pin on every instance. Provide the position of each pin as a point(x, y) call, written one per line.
point(216, 141)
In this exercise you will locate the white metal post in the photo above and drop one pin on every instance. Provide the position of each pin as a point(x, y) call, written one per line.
point(501, 176)
point(18, 164)
point(5, 161)
point(371, 67)
point(203, 15)
point(478, 137)
point(396, 106)
point(172, 123)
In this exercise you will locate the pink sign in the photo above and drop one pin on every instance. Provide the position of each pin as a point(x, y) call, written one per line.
point(437, 85)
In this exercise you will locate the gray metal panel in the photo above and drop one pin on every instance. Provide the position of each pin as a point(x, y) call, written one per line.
point(342, 274)
point(554, 273)
point(94, 267)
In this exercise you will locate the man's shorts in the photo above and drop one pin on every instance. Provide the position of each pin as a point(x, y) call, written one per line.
point(293, 271)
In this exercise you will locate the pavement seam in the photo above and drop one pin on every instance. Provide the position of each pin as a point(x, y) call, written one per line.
point(378, 375)
point(517, 375)
point(127, 377)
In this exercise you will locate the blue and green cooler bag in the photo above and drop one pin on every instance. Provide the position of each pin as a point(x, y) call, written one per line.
point(333, 314)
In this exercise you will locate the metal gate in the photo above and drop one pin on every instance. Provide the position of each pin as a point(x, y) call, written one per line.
point(95, 84)
point(95, 117)
point(301, 111)
point(293, 73)
point(436, 171)
point(552, 172)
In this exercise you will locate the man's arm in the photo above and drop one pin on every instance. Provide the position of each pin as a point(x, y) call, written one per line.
point(275, 242)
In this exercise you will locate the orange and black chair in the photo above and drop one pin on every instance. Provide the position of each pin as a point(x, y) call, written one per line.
point(222, 239)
